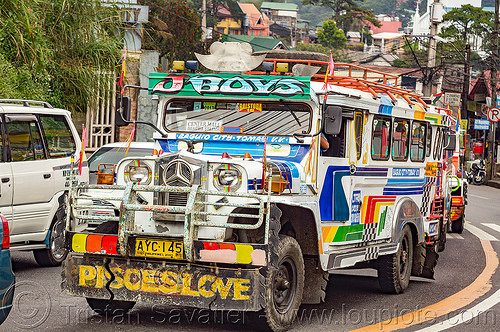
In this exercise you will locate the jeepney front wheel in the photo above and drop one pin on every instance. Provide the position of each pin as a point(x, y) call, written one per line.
point(284, 285)
point(394, 270)
point(109, 307)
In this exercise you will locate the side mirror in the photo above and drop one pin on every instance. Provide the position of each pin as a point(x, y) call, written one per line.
point(123, 107)
point(332, 120)
point(450, 141)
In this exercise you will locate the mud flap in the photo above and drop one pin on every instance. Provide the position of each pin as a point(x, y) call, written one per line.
point(424, 261)
point(168, 283)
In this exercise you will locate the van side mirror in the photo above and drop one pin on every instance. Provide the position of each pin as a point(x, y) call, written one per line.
point(332, 120)
point(123, 107)
point(450, 141)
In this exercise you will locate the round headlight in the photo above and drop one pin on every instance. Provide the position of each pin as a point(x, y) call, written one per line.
point(138, 173)
point(227, 177)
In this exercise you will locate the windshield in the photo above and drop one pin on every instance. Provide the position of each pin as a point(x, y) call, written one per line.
point(112, 155)
point(249, 118)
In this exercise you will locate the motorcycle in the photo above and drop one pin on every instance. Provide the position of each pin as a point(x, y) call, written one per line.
point(477, 174)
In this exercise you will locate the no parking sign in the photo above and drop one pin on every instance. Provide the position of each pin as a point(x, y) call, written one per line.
point(494, 114)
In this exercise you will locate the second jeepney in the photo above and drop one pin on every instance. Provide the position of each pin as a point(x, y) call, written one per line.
point(260, 186)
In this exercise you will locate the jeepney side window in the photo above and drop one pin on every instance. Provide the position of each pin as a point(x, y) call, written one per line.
point(381, 138)
point(358, 132)
point(400, 140)
point(336, 143)
point(437, 145)
point(417, 147)
point(429, 141)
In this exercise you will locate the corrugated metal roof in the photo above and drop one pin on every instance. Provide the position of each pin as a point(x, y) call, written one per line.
point(279, 6)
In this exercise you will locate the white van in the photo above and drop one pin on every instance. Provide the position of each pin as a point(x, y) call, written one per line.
point(36, 145)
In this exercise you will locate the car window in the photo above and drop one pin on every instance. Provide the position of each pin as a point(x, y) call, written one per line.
point(112, 155)
point(417, 150)
point(25, 140)
point(60, 140)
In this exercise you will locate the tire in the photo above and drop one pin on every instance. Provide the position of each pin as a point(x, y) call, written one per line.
point(441, 242)
point(284, 285)
point(394, 270)
point(457, 226)
point(56, 253)
point(480, 178)
point(109, 307)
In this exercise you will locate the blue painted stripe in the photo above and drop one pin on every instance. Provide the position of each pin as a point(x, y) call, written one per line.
point(406, 182)
point(251, 185)
point(293, 168)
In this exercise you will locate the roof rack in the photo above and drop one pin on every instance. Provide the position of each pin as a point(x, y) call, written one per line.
point(26, 103)
point(354, 77)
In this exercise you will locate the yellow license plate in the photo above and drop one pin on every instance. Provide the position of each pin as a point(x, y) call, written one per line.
point(159, 248)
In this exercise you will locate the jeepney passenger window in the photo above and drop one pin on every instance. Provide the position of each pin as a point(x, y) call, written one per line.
point(437, 145)
point(429, 141)
point(400, 140)
point(417, 147)
point(358, 132)
point(381, 138)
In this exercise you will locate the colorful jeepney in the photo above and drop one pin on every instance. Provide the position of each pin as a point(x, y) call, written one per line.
point(260, 186)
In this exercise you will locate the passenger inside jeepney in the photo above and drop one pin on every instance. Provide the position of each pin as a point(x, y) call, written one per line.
point(333, 145)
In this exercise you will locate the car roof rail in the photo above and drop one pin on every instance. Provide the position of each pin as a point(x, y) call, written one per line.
point(26, 103)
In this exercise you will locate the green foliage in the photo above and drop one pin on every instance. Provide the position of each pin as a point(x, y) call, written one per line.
point(331, 37)
point(347, 13)
point(174, 30)
point(401, 63)
point(55, 50)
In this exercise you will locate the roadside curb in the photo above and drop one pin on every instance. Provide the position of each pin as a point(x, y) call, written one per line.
point(495, 184)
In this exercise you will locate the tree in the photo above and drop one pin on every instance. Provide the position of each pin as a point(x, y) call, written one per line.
point(347, 13)
point(56, 50)
point(331, 37)
point(466, 25)
point(174, 29)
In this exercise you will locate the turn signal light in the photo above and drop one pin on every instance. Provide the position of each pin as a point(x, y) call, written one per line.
point(457, 200)
point(225, 155)
point(247, 156)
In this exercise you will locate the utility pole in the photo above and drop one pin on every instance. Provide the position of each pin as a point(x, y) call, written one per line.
point(436, 11)
point(494, 75)
point(465, 87)
point(204, 20)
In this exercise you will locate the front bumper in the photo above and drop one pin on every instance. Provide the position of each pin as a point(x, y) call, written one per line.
point(170, 283)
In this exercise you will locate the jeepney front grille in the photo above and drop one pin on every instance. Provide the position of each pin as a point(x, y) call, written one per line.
point(177, 173)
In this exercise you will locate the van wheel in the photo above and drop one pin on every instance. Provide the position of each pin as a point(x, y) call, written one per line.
point(394, 270)
point(56, 253)
point(109, 307)
point(284, 285)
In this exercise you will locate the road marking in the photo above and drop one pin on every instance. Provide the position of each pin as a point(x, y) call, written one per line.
point(480, 233)
point(478, 196)
point(493, 226)
point(465, 316)
point(466, 296)
point(454, 236)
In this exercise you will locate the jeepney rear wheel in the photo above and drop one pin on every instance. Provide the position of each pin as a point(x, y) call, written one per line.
point(109, 307)
point(284, 285)
point(457, 226)
point(394, 270)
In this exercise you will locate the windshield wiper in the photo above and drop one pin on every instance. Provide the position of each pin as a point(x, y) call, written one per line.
point(291, 111)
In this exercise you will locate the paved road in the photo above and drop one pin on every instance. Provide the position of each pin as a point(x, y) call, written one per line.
point(353, 299)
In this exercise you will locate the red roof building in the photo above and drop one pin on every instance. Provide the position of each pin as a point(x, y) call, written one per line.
point(258, 23)
point(387, 24)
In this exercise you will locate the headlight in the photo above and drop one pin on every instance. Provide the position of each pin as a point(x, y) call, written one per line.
point(137, 172)
point(227, 177)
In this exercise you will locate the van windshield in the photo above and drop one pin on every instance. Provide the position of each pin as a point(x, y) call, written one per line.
point(249, 118)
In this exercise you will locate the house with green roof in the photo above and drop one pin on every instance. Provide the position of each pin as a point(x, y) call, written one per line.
point(258, 43)
point(284, 14)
